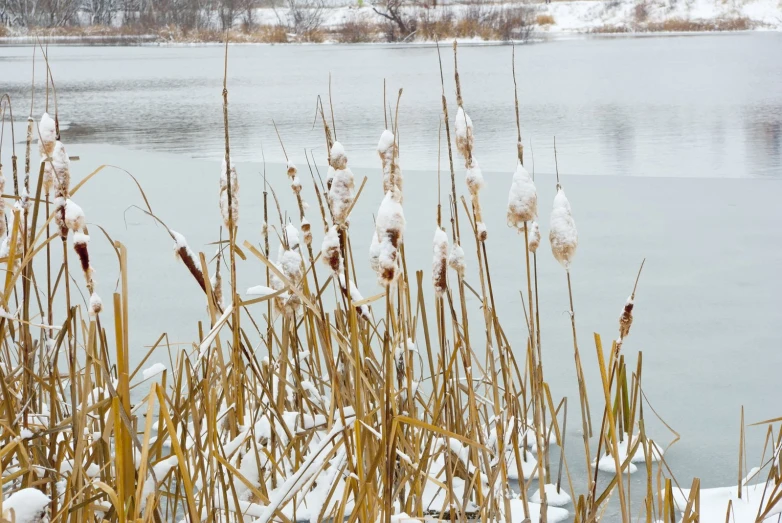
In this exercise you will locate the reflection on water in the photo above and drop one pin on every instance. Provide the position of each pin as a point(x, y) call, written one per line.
point(635, 107)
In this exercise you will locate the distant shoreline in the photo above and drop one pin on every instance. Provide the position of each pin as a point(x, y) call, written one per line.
point(469, 22)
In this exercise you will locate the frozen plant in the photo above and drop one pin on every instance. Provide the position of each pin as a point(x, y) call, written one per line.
point(563, 235)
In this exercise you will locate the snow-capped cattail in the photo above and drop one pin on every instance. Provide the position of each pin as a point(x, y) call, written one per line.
point(474, 178)
point(355, 296)
point(464, 136)
point(291, 169)
point(233, 213)
point(62, 174)
point(292, 236)
point(47, 136)
point(183, 252)
point(329, 250)
point(80, 242)
point(341, 190)
point(74, 216)
point(306, 228)
point(289, 264)
point(534, 237)
point(522, 199)
point(480, 229)
point(563, 235)
point(389, 158)
point(439, 261)
point(456, 259)
point(374, 252)
point(96, 304)
point(390, 233)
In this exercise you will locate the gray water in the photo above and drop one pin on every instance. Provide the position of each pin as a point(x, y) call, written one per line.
point(686, 130)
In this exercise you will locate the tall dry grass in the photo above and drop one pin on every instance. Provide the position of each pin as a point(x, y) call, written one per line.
point(301, 399)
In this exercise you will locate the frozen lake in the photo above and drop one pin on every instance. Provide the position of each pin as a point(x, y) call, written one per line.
point(685, 131)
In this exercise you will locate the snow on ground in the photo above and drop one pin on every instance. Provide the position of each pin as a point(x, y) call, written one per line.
point(714, 503)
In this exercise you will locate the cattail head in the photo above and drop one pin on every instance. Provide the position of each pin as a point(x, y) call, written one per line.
point(49, 177)
point(439, 261)
point(464, 136)
point(329, 250)
point(456, 259)
point(47, 135)
point(264, 228)
point(230, 212)
point(534, 237)
point(292, 235)
point(296, 184)
point(306, 228)
point(74, 216)
point(339, 159)
point(389, 158)
point(474, 177)
point(522, 199)
point(626, 319)
point(183, 252)
point(481, 231)
point(62, 171)
point(96, 304)
point(355, 296)
point(80, 243)
point(390, 227)
point(341, 195)
point(291, 169)
point(563, 235)
point(374, 252)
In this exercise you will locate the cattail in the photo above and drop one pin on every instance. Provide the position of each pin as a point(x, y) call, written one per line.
point(80, 242)
point(389, 158)
point(290, 266)
point(47, 136)
point(74, 216)
point(96, 304)
point(264, 229)
point(62, 173)
point(306, 228)
point(292, 236)
point(374, 252)
point(341, 189)
point(563, 235)
point(183, 252)
point(439, 261)
point(534, 237)
point(217, 280)
point(522, 199)
point(291, 167)
point(456, 259)
point(626, 320)
point(474, 178)
point(464, 136)
point(330, 250)
point(390, 233)
point(480, 230)
point(233, 213)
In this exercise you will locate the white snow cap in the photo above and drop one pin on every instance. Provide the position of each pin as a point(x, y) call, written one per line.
point(260, 290)
point(563, 235)
point(341, 193)
point(522, 198)
point(47, 135)
point(80, 237)
point(464, 136)
point(291, 168)
point(28, 505)
point(386, 143)
point(339, 159)
point(96, 304)
point(74, 216)
point(61, 162)
point(293, 236)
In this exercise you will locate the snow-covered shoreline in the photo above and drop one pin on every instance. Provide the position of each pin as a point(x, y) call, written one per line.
point(545, 21)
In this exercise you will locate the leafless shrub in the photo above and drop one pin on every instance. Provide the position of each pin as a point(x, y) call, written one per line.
point(303, 18)
point(357, 30)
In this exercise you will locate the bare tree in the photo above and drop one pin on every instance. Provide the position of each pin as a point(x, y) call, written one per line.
point(393, 12)
point(302, 17)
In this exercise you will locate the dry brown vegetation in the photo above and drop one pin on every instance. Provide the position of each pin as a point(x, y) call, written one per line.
point(544, 19)
point(302, 399)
